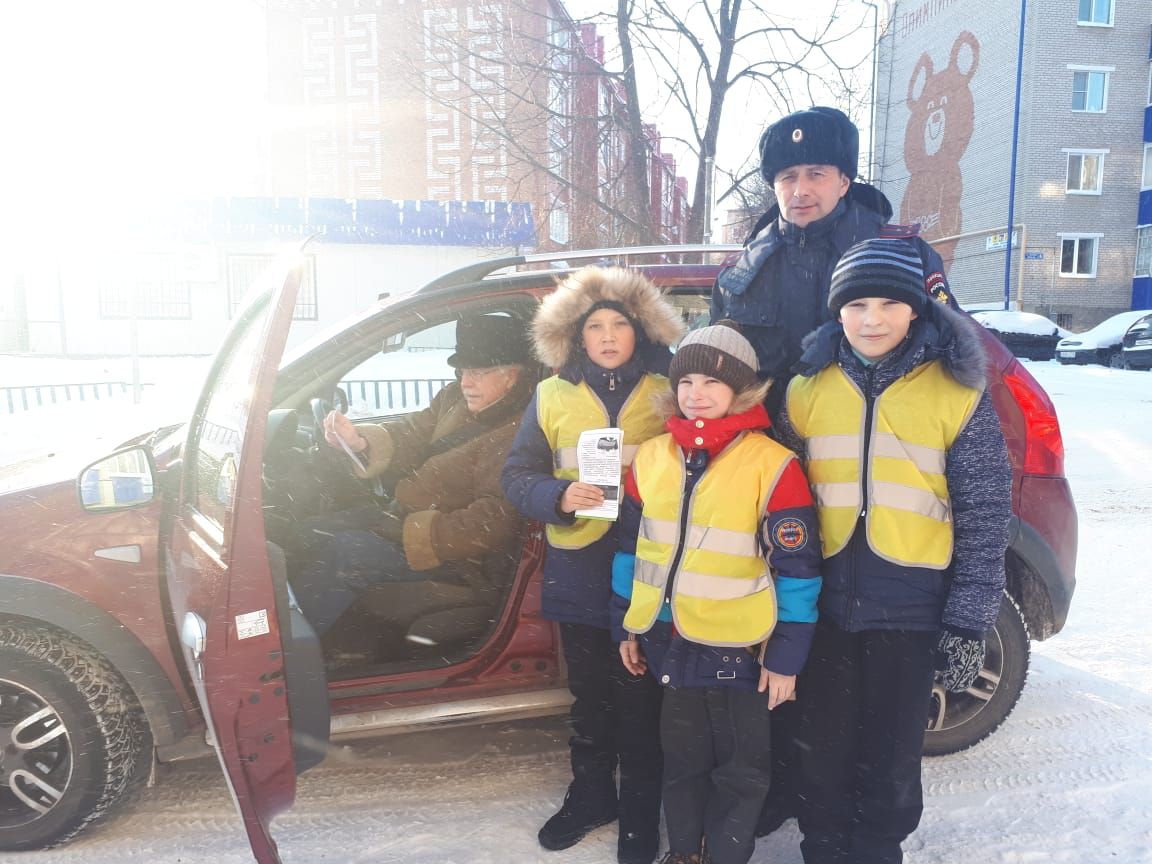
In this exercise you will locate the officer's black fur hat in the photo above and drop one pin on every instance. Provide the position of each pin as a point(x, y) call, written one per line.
point(817, 136)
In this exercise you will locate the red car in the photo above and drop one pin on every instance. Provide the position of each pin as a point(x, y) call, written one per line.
point(145, 601)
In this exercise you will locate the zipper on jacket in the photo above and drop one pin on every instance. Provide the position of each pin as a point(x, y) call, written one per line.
point(611, 380)
point(859, 533)
point(689, 473)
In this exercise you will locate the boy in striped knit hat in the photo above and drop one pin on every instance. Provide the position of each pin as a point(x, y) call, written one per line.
point(912, 483)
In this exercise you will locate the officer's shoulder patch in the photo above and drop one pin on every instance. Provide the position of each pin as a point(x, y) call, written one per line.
point(892, 231)
point(937, 287)
point(790, 534)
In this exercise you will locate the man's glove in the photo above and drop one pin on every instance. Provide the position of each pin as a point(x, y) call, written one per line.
point(958, 660)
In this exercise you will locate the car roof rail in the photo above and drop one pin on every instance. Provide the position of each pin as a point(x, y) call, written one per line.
point(481, 269)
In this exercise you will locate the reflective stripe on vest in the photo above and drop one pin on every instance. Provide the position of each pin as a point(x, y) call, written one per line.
point(564, 410)
point(722, 591)
point(914, 423)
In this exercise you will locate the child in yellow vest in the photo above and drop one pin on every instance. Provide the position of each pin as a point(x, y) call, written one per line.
point(607, 332)
point(718, 573)
point(911, 476)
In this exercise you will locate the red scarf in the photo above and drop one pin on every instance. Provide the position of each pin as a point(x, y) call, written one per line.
point(715, 435)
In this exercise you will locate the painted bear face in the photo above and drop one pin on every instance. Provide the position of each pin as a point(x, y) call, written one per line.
point(941, 108)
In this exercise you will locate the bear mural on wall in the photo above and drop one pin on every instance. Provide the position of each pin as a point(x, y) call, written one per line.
point(941, 116)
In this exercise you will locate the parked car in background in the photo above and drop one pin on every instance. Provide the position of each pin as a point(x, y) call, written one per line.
point(146, 609)
point(1101, 344)
point(1025, 334)
point(1137, 345)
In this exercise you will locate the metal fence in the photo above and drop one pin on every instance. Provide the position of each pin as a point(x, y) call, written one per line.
point(366, 397)
point(382, 396)
point(29, 396)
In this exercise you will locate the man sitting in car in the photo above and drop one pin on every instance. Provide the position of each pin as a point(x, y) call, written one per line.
point(447, 511)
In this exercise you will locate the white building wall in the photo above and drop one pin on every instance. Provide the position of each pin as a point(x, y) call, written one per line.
point(64, 301)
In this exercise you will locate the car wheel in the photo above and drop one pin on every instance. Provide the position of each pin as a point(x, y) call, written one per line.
point(73, 739)
point(1116, 360)
point(956, 721)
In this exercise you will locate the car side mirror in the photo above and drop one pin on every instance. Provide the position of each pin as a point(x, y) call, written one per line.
point(125, 479)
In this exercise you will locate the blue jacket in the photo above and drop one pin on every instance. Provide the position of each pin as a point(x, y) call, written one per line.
point(577, 582)
point(778, 290)
point(861, 591)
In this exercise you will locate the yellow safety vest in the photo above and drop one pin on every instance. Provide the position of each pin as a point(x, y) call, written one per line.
point(914, 423)
point(722, 590)
point(564, 410)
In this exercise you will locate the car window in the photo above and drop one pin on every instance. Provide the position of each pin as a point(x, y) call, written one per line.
point(403, 381)
point(215, 452)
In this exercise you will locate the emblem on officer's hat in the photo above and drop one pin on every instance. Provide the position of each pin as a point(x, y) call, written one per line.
point(797, 136)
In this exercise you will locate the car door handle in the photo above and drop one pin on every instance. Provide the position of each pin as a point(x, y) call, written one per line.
point(193, 634)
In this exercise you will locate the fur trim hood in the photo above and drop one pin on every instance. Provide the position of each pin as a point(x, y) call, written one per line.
point(941, 334)
point(553, 328)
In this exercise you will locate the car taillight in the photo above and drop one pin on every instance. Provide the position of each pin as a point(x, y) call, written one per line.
point(1044, 446)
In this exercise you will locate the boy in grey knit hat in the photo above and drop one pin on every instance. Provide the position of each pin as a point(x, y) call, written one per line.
point(715, 589)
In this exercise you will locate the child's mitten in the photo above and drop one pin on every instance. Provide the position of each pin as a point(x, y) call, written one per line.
point(959, 660)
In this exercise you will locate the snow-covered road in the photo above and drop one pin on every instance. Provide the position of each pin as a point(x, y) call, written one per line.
point(1067, 779)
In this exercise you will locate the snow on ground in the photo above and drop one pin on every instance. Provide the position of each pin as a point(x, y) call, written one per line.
point(1067, 779)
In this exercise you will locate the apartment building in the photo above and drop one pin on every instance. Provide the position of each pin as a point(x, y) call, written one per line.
point(950, 125)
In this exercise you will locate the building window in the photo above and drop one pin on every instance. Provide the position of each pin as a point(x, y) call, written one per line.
point(1144, 250)
point(244, 270)
point(1063, 320)
point(156, 300)
point(1095, 12)
point(1146, 175)
point(1078, 254)
point(1090, 90)
point(1085, 172)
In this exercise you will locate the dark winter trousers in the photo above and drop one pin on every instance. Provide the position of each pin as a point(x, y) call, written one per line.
point(863, 700)
point(717, 769)
point(615, 719)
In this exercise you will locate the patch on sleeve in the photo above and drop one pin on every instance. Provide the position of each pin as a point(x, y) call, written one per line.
point(937, 287)
point(790, 534)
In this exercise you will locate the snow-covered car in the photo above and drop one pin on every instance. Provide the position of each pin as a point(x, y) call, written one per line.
point(1101, 344)
point(1026, 334)
point(1137, 345)
point(146, 612)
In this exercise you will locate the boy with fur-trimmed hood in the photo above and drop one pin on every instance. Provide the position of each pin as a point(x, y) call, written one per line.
point(607, 332)
point(718, 573)
point(910, 472)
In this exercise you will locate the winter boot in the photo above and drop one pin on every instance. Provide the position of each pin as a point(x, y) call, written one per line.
point(585, 808)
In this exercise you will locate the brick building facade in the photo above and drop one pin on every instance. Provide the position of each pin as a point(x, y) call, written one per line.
point(946, 109)
point(454, 100)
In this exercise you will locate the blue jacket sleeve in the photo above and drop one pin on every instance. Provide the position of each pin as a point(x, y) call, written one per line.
point(980, 488)
point(527, 476)
point(791, 538)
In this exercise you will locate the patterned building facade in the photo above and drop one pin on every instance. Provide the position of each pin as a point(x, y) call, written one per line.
point(946, 108)
point(459, 100)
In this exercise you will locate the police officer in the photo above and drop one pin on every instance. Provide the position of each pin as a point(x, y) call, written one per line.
point(778, 290)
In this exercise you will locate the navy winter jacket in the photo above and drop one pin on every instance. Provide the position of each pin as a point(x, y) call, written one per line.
point(861, 591)
point(577, 582)
point(778, 290)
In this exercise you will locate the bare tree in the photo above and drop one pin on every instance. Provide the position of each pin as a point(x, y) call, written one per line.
point(520, 85)
point(703, 53)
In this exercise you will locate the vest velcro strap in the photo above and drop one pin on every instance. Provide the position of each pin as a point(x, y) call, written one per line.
point(838, 494)
point(930, 460)
point(919, 501)
point(708, 587)
point(649, 573)
point(564, 459)
point(834, 447)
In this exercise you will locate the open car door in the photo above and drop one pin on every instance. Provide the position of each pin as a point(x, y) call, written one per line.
point(255, 663)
